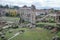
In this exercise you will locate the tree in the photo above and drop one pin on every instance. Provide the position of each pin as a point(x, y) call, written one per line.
point(1, 6)
point(18, 15)
point(6, 6)
point(7, 14)
point(56, 10)
point(13, 13)
point(16, 7)
point(24, 6)
point(52, 10)
point(0, 14)
point(33, 7)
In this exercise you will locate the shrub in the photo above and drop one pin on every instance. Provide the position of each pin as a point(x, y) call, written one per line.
point(51, 21)
point(1, 29)
point(40, 25)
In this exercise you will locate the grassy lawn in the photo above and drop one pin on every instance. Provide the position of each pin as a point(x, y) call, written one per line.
point(9, 35)
point(54, 24)
point(12, 19)
point(31, 34)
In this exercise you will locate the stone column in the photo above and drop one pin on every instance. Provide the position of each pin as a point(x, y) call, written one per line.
point(33, 20)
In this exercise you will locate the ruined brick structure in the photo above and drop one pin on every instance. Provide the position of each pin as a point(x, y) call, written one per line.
point(58, 17)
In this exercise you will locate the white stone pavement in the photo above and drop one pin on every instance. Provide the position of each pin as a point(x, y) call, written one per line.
point(14, 35)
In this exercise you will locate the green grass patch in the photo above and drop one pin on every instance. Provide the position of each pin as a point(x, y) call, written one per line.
point(42, 24)
point(34, 34)
point(12, 19)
